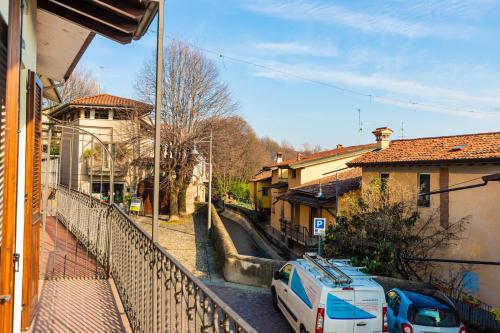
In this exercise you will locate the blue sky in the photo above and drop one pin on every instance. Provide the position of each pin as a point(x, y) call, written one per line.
point(426, 64)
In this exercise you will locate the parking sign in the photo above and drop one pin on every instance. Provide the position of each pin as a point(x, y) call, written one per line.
point(319, 226)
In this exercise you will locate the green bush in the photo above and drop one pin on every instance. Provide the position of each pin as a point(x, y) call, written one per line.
point(238, 190)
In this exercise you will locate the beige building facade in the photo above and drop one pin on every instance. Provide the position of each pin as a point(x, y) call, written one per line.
point(430, 164)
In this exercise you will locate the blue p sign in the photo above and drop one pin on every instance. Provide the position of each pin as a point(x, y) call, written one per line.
point(319, 226)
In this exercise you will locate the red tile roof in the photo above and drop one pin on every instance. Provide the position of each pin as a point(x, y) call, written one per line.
point(306, 194)
point(109, 100)
point(481, 147)
point(323, 154)
point(337, 151)
point(348, 179)
point(262, 175)
point(283, 163)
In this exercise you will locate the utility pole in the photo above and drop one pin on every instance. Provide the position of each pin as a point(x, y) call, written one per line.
point(156, 186)
point(209, 226)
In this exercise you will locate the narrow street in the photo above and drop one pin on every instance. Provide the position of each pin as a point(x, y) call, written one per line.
point(254, 304)
point(242, 240)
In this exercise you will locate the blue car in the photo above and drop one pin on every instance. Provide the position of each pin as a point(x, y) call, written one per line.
point(423, 311)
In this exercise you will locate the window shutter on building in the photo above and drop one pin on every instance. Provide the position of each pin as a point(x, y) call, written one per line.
point(3, 77)
point(32, 213)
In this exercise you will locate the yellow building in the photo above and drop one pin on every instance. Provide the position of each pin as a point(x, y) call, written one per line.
point(291, 220)
point(259, 191)
point(429, 164)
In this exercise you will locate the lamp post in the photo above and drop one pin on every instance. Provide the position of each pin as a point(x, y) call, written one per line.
point(208, 140)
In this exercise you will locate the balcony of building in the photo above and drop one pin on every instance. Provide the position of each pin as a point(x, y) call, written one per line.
point(101, 272)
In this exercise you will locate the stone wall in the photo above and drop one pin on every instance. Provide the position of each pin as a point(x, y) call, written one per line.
point(239, 268)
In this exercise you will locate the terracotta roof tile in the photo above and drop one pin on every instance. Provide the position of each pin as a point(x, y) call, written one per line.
point(348, 180)
point(337, 151)
point(479, 147)
point(109, 100)
point(323, 154)
point(262, 175)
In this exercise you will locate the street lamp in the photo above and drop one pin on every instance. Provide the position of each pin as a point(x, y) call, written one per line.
point(196, 153)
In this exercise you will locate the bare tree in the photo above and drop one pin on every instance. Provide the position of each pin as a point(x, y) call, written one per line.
point(80, 84)
point(384, 226)
point(192, 99)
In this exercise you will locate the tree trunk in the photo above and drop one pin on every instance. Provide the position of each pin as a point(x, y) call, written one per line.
point(183, 200)
point(174, 205)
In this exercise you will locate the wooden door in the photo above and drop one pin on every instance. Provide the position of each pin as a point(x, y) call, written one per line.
point(32, 202)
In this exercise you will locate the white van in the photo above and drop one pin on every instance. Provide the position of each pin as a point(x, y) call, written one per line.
point(328, 296)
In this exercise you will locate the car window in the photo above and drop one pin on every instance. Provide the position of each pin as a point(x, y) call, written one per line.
point(393, 301)
point(433, 317)
point(285, 273)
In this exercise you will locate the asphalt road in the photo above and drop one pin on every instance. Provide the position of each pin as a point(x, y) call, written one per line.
point(243, 242)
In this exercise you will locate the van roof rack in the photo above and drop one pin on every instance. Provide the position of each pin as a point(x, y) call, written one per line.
point(326, 267)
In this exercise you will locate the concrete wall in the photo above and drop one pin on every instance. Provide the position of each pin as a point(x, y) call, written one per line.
point(239, 268)
point(480, 240)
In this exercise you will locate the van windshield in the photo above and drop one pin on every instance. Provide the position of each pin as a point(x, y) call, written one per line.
point(434, 317)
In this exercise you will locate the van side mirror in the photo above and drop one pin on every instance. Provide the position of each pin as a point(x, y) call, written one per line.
point(277, 275)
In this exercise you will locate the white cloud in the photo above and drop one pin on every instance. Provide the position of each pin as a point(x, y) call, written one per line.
point(398, 92)
point(313, 10)
point(295, 48)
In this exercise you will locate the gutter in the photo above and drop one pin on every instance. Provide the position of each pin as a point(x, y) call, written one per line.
point(488, 178)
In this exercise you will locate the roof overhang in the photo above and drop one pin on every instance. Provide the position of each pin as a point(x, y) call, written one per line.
point(302, 164)
point(465, 161)
point(65, 29)
point(278, 185)
point(296, 198)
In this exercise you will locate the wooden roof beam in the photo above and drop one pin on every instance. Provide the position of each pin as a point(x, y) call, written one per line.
point(127, 25)
point(85, 21)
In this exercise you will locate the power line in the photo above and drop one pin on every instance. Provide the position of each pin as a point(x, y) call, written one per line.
point(371, 97)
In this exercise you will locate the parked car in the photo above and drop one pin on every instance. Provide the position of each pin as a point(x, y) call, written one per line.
point(324, 296)
point(422, 311)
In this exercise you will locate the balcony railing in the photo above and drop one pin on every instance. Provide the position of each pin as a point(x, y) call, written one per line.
point(158, 293)
point(473, 312)
point(297, 233)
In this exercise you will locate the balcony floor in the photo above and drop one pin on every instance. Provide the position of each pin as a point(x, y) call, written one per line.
point(75, 295)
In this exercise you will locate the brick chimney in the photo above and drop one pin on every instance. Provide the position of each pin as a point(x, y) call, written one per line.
point(340, 146)
point(279, 157)
point(382, 135)
point(299, 156)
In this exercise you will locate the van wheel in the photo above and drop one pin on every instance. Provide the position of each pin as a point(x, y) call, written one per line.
point(275, 299)
point(302, 329)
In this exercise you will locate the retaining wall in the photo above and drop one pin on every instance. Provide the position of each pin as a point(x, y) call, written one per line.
point(240, 268)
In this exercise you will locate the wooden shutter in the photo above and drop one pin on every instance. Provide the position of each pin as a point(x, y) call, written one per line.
point(3, 77)
point(32, 212)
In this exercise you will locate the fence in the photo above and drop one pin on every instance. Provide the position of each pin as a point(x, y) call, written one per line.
point(475, 313)
point(157, 292)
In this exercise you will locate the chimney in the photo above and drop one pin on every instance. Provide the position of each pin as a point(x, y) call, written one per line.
point(382, 135)
point(340, 146)
point(279, 157)
point(299, 156)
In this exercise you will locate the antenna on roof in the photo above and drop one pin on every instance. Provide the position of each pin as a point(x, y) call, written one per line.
point(402, 130)
point(360, 124)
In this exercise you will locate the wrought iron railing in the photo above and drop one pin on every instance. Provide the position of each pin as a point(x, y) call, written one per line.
point(473, 312)
point(298, 233)
point(158, 293)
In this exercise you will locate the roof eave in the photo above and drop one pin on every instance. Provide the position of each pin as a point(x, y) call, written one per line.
point(424, 162)
point(319, 160)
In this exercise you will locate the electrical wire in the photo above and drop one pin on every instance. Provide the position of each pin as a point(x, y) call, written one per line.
point(371, 97)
